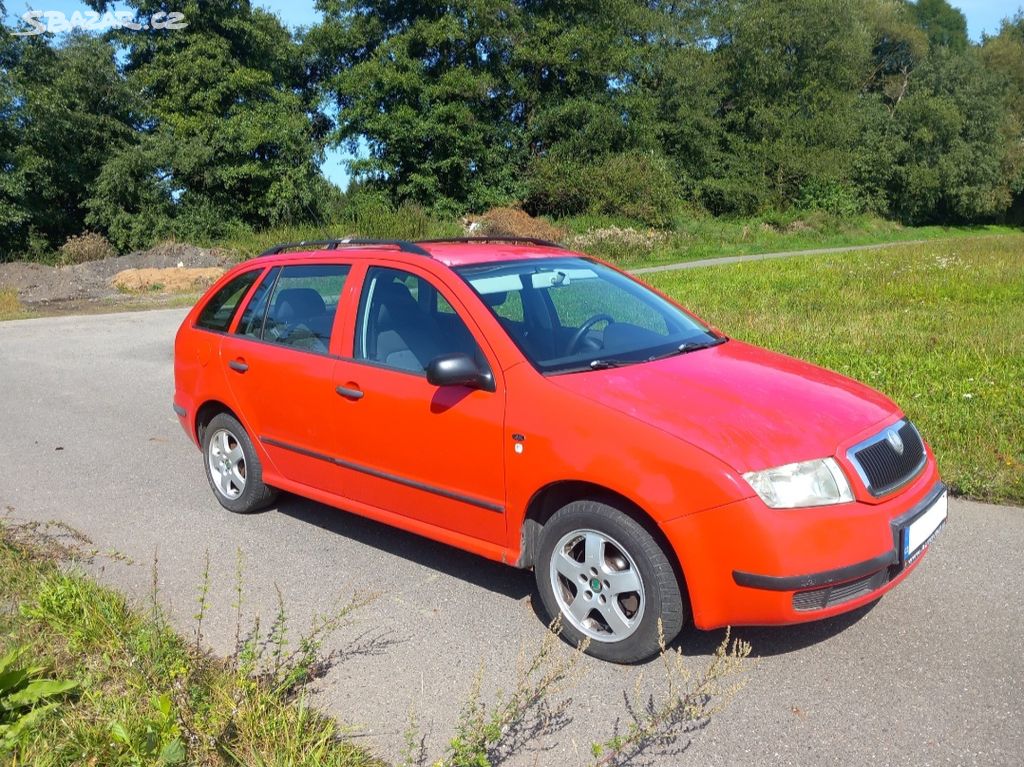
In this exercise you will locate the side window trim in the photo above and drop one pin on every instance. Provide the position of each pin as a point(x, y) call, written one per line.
point(361, 343)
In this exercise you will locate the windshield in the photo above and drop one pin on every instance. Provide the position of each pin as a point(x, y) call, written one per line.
point(572, 314)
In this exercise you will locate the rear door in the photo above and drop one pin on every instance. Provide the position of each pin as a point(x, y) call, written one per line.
point(430, 453)
point(280, 365)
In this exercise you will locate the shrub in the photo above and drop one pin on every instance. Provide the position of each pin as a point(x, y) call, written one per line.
point(731, 196)
point(557, 187)
point(832, 197)
point(640, 186)
point(637, 185)
point(372, 216)
point(88, 246)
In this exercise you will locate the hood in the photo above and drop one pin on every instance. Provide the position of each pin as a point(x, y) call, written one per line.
point(747, 406)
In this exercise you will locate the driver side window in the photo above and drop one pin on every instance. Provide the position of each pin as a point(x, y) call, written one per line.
point(404, 323)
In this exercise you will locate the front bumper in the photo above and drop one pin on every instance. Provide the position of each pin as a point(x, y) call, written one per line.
point(746, 564)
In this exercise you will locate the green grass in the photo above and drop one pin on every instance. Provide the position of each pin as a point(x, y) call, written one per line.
point(702, 237)
point(939, 327)
point(144, 694)
point(10, 307)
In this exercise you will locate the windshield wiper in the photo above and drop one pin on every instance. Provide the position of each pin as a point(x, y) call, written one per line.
point(605, 363)
point(689, 346)
point(600, 364)
point(596, 364)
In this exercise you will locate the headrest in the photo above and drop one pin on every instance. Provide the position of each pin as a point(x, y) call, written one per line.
point(495, 299)
point(298, 303)
point(396, 305)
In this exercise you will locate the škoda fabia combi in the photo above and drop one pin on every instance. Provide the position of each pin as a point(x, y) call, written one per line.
point(540, 408)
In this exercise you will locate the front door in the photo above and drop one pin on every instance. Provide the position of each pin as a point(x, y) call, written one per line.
point(430, 453)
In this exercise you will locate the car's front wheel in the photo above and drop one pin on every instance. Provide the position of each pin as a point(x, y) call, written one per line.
point(233, 467)
point(609, 580)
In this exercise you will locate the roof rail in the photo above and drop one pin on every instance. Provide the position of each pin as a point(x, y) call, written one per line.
point(403, 245)
point(528, 240)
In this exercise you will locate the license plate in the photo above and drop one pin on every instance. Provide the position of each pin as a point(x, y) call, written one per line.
point(920, 532)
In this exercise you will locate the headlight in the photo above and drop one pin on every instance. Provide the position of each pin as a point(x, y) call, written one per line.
point(809, 483)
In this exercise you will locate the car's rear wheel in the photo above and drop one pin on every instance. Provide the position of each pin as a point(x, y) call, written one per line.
point(609, 580)
point(233, 467)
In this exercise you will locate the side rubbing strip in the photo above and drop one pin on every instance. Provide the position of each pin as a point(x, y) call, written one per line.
point(384, 475)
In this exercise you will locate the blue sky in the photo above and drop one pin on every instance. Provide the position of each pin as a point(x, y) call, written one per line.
point(983, 16)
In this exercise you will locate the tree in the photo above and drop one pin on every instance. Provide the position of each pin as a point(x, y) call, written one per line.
point(1003, 54)
point(231, 135)
point(427, 87)
point(793, 73)
point(951, 155)
point(68, 111)
point(456, 100)
point(945, 26)
point(14, 216)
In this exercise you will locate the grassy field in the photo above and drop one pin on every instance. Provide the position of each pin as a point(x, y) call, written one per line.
point(939, 327)
point(136, 692)
point(692, 239)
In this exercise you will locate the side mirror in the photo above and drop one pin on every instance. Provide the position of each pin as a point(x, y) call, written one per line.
point(458, 370)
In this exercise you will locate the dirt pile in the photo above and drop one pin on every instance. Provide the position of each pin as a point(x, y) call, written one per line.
point(93, 280)
point(173, 279)
point(512, 222)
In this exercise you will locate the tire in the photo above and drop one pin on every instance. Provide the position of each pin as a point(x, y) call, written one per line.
point(626, 582)
point(233, 468)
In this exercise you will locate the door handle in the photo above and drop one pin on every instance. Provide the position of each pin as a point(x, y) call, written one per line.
point(239, 366)
point(345, 391)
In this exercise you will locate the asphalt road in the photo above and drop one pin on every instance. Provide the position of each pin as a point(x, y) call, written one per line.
point(931, 675)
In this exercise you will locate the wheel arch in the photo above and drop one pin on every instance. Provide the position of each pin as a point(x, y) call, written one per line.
point(206, 413)
point(553, 496)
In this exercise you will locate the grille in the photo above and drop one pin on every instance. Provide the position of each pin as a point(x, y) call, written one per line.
point(882, 467)
point(829, 596)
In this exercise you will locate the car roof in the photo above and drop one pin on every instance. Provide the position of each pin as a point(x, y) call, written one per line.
point(452, 253)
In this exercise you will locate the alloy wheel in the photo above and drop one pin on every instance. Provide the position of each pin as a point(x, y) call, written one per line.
point(597, 585)
point(227, 464)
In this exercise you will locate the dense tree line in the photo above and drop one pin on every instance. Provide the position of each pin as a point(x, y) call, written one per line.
point(568, 106)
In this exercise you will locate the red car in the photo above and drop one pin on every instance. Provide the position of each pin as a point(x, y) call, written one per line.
point(541, 408)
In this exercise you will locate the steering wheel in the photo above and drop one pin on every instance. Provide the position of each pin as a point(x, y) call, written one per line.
point(580, 334)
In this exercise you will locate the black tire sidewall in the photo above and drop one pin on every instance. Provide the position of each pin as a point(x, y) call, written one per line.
point(256, 495)
point(662, 591)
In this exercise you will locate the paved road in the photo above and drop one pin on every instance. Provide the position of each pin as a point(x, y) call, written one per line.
point(932, 675)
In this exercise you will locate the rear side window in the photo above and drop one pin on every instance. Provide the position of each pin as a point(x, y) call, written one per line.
point(302, 306)
point(220, 309)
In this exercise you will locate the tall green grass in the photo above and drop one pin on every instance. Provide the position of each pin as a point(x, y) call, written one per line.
point(939, 327)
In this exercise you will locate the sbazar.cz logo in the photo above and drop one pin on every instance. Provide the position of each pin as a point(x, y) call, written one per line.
point(58, 22)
